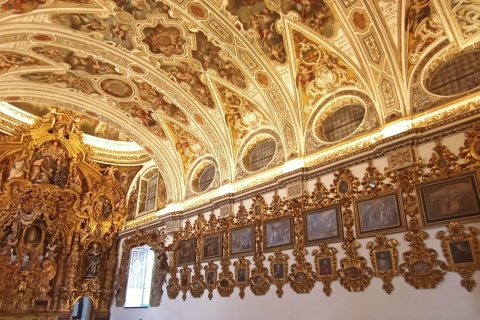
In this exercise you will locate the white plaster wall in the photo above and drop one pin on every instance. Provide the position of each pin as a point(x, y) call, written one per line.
point(448, 301)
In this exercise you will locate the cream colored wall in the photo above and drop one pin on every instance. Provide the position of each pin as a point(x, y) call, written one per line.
point(448, 301)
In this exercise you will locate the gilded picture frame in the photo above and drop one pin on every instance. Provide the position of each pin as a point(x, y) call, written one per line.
point(242, 275)
point(186, 252)
point(278, 271)
point(380, 214)
point(241, 241)
point(323, 225)
point(443, 200)
point(461, 253)
point(212, 248)
point(384, 260)
point(325, 266)
point(278, 234)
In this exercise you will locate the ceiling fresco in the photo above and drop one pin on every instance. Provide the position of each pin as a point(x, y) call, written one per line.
point(200, 83)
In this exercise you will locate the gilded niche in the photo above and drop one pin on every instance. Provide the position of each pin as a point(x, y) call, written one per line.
point(59, 218)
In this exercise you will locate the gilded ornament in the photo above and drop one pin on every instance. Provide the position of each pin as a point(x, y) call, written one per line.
point(354, 274)
point(242, 275)
point(462, 251)
point(278, 270)
point(421, 268)
point(225, 283)
point(325, 266)
point(384, 256)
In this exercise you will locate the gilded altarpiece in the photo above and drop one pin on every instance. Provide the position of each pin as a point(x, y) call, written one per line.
point(60, 214)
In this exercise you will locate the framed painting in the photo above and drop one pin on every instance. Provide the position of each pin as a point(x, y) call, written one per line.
point(186, 252)
point(241, 241)
point(278, 271)
point(277, 234)
point(461, 252)
point(323, 225)
point(380, 214)
point(383, 260)
point(324, 268)
point(241, 275)
point(456, 198)
point(212, 247)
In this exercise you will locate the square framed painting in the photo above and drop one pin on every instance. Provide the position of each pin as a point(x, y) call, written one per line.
point(461, 252)
point(212, 248)
point(444, 200)
point(278, 234)
point(186, 252)
point(325, 268)
point(383, 260)
point(242, 241)
point(322, 225)
point(380, 214)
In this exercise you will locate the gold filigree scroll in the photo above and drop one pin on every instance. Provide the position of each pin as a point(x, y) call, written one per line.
point(320, 196)
point(373, 182)
point(259, 283)
point(421, 268)
point(185, 280)
point(197, 286)
point(470, 151)
point(211, 276)
point(462, 251)
point(442, 163)
point(301, 277)
point(278, 270)
point(155, 240)
point(226, 283)
point(173, 286)
point(242, 274)
point(384, 256)
point(258, 207)
point(326, 266)
point(354, 274)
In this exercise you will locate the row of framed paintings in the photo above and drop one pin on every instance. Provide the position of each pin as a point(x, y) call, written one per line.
point(460, 253)
point(440, 201)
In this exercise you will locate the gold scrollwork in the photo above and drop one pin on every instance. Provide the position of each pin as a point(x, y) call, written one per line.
point(278, 270)
point(354, 274)
point(442, 163)
point(242, 274)
point(210, 278)
point(373, 182)
point(197, 286)
point(462, 251)
point(325, 266)
point(421, 268)
point(384, 256)
point(470, 151)
point(259, 283)
point(185, 280)
point(226, 283)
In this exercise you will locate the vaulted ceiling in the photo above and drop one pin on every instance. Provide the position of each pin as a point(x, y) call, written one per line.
point(196, 83)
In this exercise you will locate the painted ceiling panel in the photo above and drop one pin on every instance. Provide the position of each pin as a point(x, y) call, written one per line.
point(206, 81)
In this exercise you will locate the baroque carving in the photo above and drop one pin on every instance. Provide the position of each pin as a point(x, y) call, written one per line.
point(325, 266)
point(462, 251)
point(384, 256)
point(56, 205)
